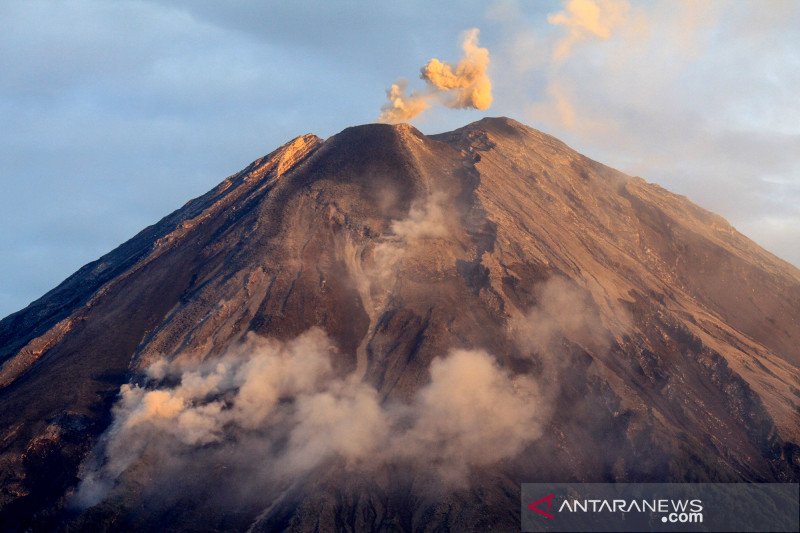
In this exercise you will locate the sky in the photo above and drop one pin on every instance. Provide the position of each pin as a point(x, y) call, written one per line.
point(116, 113)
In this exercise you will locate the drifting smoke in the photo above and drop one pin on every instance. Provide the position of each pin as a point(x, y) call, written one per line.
point(273, 411)
point(467, 85)
point(587, 19)
point(562, 312)
point(427, 219)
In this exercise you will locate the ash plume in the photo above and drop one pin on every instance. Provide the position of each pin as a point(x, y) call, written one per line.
point(400, 106)
point(463, 85)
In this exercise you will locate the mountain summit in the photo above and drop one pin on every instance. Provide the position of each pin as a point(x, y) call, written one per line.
point(388, 330)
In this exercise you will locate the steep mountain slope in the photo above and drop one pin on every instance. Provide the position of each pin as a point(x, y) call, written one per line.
point(664, 344)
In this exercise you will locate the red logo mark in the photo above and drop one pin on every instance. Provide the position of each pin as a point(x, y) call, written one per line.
point(535, 506)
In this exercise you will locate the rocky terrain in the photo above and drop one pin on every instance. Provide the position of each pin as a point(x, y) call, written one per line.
point(644, 337)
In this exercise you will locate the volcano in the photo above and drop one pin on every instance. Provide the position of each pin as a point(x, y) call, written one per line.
point(507, 310)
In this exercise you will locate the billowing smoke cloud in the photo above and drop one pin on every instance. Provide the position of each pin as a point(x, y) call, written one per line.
point(211, 401)
point(471, 414)
point(468, 84)
point(587, 19)
point(277, 410)
point(465, 85)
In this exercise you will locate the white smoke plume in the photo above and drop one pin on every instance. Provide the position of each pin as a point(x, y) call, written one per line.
point(465, 85)
point(277, 410)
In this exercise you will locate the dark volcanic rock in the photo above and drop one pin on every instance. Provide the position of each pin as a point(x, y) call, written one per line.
point(695, 376)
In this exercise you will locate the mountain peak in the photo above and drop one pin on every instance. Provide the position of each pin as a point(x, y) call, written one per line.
point(295, 150)
point(375, 132)
point(499, 125)
point(499, 122)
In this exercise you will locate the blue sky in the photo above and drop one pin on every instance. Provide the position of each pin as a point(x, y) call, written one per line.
point(116, 113)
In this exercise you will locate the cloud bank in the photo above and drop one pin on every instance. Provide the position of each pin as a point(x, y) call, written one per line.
point(465, 85)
